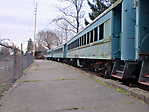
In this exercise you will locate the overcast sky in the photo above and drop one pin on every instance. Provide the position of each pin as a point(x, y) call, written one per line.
point(17, 18)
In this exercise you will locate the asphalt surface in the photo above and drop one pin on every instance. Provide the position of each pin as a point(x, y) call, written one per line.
point(54, 87)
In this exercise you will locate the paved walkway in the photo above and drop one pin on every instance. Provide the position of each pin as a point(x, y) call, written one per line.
point(55, 87)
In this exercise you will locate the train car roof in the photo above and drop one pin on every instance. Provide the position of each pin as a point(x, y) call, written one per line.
point(101, 15)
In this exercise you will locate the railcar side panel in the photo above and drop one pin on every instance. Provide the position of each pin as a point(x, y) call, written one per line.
point(101, 50)
point(143, 27)
point(49, 54)
point(65, 50)
point(58, 53)
point(128, 30)
point(116, 32)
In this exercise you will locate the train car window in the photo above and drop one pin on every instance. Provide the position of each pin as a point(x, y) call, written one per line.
point(107, 29)
point(84, 39)
point(58, 50)
point(88, 38)
point(80, 41)
point(77, 42)
point(74, 44)
point(101, 32)
point(92, 36)
point(96, 34)
point(69, 47)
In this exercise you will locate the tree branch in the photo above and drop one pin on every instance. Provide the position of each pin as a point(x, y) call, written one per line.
point(61, 18)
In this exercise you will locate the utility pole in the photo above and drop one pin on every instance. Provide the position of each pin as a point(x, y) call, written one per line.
point(35, 24)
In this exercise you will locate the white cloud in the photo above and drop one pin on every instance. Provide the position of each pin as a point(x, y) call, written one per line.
point(17, 18)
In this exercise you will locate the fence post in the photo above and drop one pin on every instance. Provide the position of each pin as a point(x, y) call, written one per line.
point(14, 65)
point(22, 59)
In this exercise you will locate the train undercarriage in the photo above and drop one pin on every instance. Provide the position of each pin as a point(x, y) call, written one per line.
point(133, 71)
point(126, 71)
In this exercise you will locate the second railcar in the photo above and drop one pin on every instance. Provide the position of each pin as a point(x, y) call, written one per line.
point(99, 43)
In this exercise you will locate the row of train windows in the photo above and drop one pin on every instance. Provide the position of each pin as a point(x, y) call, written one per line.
point(92, 36)
point(58, 50)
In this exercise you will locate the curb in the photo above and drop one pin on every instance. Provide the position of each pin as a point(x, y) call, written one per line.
point(135, 92)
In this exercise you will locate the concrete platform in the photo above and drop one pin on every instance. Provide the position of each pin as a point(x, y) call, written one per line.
point(54, 87)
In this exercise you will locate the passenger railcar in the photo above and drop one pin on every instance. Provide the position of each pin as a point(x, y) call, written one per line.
point(93, 46)
point(142, 39)
point(49, 54)
point(134, 38)
point(115, 44)
point(57, 53)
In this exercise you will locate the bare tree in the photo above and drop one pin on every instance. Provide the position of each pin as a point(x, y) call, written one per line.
point(30, 45)
point(6, 43)
point(64, 31)
point(4, 47)
point(4, 51)
point(47, 39)
point(71, 14)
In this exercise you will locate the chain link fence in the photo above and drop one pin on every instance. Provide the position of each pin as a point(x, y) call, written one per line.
point(13, 63)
